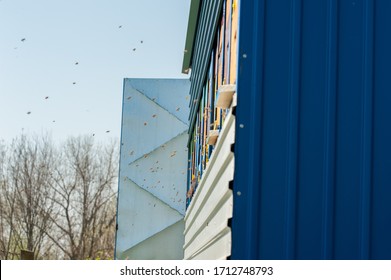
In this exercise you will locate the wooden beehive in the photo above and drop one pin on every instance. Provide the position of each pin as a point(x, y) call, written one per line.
point(225, 93)
point(212, 137)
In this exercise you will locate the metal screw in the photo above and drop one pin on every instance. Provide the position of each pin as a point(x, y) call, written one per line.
point(244, 55)
point(239, 193)
point(241, 125)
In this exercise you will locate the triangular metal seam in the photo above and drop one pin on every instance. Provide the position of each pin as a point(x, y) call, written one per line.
point(165, 109)
point(154, 234)
point(158, 147)
point(165, 203)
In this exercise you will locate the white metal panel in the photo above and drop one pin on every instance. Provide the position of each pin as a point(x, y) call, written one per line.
point(166, 241)
point(218, 249)
point(153, 163)
point(157, 91)
point(145, 125)
point(141, 215)
point(150, 172)
point(212, 200)
point(207, 235)
point(210, 229)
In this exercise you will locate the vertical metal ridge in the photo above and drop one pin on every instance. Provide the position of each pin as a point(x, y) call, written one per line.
point(203, 46)
point(197, 54)
point(293, 130)
point(246, 221)
point(255, 135)
point(210, 11)
point(367, 129)
point(330, 126)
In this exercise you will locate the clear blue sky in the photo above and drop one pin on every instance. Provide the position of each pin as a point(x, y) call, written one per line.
point(37, 74)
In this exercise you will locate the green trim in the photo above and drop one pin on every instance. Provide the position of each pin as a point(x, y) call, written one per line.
point(191, 31)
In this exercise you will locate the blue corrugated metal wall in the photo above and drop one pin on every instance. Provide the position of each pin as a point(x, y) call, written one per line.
point(313, 143)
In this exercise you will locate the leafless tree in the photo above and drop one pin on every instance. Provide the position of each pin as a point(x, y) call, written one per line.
point(59, 203)
point(27, 196)
point(6, 204)
point(85, 199)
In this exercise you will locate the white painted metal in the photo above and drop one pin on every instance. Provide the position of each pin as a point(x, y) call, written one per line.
point(165, 241)
point(165, 92)
point(153, 163)
point(150, 173)
point(145, 124)
point(207, 235)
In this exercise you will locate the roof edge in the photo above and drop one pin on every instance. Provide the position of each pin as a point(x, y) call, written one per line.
point(190, 35)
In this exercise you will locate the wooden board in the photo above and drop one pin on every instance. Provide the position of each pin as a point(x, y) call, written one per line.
point(225, 94)
point(227, 41)
point(212, 137)
point(234, 42)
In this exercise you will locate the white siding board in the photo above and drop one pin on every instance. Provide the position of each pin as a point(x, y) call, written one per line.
point(211, 201)
point(218, 249)
point(221, 152)
point(207, 235)
point(212, 226)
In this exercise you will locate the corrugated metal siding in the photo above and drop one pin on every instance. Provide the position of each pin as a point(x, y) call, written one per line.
point(207, 235)
point(313, 153)
point(207, 23)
